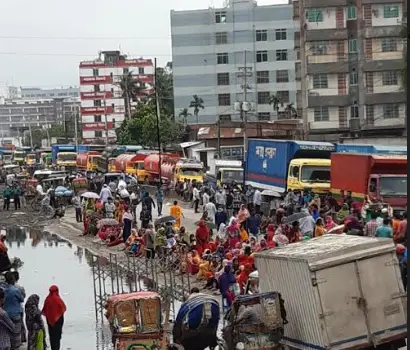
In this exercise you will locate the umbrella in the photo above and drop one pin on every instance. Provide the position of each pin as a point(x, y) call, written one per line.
point(164, 220)
point(90, 195)
point(107, 222)
point(210, 224)
point(295, 217)
point(271, 193)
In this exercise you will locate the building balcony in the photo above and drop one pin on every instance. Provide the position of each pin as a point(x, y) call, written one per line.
point(326, 34)
point(385, 98)
point(329, 68)
point(333, 100)
point(325, 3)
point(383, 65)
point(382, 2)
point(382, 32)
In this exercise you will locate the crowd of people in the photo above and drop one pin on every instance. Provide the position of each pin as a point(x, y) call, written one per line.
point(220, 251)
point(21, 320)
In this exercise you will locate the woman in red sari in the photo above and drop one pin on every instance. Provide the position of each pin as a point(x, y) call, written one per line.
point(202, 237)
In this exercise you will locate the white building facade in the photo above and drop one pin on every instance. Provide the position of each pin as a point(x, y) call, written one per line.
point(102, 102)
point(210, 47)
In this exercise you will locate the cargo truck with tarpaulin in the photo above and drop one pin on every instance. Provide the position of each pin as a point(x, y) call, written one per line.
point(64, 156)
point(371, 149)
point(383, 178)
point(278, 165)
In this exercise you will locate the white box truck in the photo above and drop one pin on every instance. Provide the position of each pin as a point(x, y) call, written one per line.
point(340, 292)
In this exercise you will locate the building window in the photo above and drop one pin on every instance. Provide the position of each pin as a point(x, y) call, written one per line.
point(390, 78)
point(391, 11)
point(97, 119)
point(391, 111)
point(221, 38)
point(353, 78)
point(225, 118)
point(224, 99)
point(263, 97)
point(280, 34)
point(261, 35)
point(281, 55)
point(220, 17)
point(352, 45)
point(261, 56)
point(283, 96)
point(320, 81)
point(96, 88)
point(97, 103)
point(98, 134)
point(282, 76)
point(321, 114)
point(95, 72)
point(223, 78)
point(222, 58)
point(354, 111)
point(262, 77)
point(141, 70)
point(319, 48)
point(351, 12)
point(264, 116)
point(314, 15)
point(389, 44)
point(125, 71)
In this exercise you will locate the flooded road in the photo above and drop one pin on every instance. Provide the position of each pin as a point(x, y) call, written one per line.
point(50, 260)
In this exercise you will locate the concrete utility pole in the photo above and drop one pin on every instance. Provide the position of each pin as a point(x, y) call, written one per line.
point(244, 73)
point(75, 126)
point(158, 115)
point(105, 120)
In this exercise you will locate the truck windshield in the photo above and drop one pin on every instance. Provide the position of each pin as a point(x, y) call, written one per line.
point(139, 165)
point(391, 186)
point(67, 157)
point(313, 173)
point(191, 172)
point(18, 154)
point(31, 156)
point(232, 175)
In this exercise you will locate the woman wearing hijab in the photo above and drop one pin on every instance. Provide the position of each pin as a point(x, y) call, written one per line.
point(320, 229)
point(54, 309)
point(202, 237)
point(280, 237)
point(243, 214)
point(234, 234)
point(226, 280)
point(329, 223)
point(36, 339)
point(127, 219)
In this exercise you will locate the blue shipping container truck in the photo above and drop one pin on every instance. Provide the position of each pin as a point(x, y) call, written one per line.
point(268, 161)
point(55, 149)
point(371, 149)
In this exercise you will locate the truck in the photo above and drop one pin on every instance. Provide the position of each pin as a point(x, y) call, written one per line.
point(382, 178)
point(371, 149)
point(64, 156)
point(86, 161)
point(168, 162)
point(133, 164)
point(226, 172)
point(280, 165)
point(189, 169)
point(19, 157)
point(341, 292)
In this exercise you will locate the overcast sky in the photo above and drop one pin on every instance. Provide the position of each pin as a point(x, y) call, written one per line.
point(42, 41)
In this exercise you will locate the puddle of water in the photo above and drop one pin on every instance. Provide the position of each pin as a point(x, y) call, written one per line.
point(50, 260)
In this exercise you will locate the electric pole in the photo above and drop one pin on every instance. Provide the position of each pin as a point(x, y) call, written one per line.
point(244, 73)
point(158, 119)
point(105, 120)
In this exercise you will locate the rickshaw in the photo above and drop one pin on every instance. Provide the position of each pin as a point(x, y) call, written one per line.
point(196, 324)
point(254, 322)
point(136, 321)
point(80, 185)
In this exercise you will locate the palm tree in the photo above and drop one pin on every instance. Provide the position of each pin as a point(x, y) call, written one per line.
point(197, 103)
point(291, 111)
point(184, 114)
point(131, 90)
point(276, 101)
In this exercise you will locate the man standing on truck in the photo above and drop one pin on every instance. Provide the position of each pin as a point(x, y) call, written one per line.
point(257, 200)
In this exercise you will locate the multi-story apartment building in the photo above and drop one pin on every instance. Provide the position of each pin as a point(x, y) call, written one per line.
point(208, 52)
point(102, 103)
point(41, 94)
point(351, 66)
point(18, 115)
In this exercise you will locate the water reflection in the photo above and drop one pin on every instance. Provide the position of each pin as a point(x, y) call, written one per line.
point(48, 260)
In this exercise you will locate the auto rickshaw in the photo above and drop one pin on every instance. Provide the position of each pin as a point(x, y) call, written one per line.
point(254, 322)
point(136, 321)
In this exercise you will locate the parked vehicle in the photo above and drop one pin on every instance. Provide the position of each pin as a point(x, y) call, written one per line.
point(278, 165)
point(371, 149)
point(380, 177)
point(87, 161)
point(342, 292)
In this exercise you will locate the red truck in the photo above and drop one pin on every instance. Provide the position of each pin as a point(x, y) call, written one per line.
point(168, 162)
point(381, 177)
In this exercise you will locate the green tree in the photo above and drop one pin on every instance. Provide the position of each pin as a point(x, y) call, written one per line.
point(276, 101)
point(164, 85)
point(142, 129)
point(131, 90)
point(197, 103)
point(184, 114)
point(36, 134)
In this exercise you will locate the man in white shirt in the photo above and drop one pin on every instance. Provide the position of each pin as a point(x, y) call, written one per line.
point(196, 197)
point(39, 190)
point(220, 198)
point(257, 200)
point(205, 199)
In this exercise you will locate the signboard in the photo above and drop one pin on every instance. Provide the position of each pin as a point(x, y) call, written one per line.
point(96, 126)
point(138, 62)
point(96, 110)
point(96, 95)
point(95, 80)
point(317, 147)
